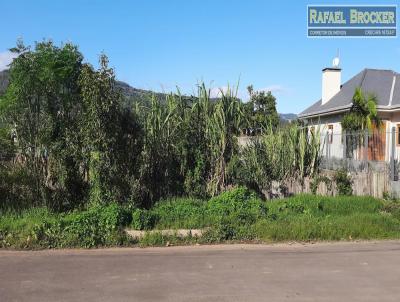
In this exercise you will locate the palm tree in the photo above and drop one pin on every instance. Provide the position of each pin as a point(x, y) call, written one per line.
point(363, 113)
point(361, 118)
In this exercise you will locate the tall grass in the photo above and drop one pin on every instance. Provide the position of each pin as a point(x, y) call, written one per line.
point(286, 154)
point(188, 143)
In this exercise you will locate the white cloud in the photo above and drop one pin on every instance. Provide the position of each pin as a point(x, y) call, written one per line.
point(6, 58)
point(216, 92)
point(273, 89)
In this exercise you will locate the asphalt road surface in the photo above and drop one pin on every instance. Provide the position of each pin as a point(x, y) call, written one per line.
point(368, 271)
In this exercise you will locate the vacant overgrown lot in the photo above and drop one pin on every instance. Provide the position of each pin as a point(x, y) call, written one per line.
point(235, 215)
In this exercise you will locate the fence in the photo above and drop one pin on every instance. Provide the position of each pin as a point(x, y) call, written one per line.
point(370, 182)
point(360, 145)
point(357, 148)
point(372, 158)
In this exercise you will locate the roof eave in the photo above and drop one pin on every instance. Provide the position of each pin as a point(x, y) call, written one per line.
point(345, 108)
point(325, 112)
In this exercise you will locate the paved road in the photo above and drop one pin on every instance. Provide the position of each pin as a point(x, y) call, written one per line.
point(319, 272)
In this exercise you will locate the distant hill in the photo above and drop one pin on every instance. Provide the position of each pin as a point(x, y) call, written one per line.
point(287, 117)
point(132, 94)
point(135, 94)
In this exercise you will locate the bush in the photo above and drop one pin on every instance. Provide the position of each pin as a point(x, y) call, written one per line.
point(142, 219)
point(239, 205)
point(180, 213)
point(228, 230)
point(97, 226)
point(343, 182)
point(17, 229)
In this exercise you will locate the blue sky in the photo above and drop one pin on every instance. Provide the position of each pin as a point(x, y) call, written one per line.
point(162, 44)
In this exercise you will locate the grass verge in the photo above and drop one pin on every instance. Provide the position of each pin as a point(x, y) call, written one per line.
point(236, 215)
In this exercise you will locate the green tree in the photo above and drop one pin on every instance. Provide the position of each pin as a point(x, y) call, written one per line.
point(41, 105)
point(110, 135)
point(71, 130)
point(265, 110)
point(363, 112)
point(260, 111)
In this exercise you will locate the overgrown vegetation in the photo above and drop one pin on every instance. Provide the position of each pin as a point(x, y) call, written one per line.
point(281, 155)
point(69, 141)
point(78, 166)
point(235, 215)
point(40, 228)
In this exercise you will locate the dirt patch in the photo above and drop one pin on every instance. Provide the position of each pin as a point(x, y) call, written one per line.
point(169, 232)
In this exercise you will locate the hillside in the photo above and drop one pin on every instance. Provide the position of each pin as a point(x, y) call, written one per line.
point(135, 94)
point(129, 92)
point(288, 117)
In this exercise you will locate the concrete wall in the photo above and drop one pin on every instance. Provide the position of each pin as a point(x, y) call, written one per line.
point(365, 183)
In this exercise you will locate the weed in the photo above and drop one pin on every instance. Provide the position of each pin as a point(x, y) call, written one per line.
point(343, 182)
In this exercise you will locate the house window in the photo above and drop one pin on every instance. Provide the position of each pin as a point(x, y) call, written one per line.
point(330, 134)
point(398, 134)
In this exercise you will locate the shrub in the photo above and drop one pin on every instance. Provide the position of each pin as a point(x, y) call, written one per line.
point(97, 226)
point(142, 219)
point(227, 229)
point(238, 205)
point(180, 213)
point(16, 229)
point(343, 182)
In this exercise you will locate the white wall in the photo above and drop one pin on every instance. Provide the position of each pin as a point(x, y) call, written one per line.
point(393, 120)
point(334, 149)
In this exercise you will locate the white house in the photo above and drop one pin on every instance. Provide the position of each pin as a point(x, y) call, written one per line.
point(383, 144)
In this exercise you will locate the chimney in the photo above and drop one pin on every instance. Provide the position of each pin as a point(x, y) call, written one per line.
point(331, 80)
